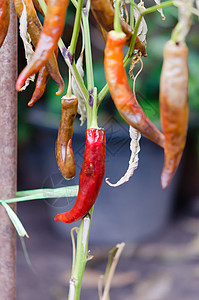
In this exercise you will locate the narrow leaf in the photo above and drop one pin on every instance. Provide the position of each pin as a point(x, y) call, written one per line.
point(15, 220)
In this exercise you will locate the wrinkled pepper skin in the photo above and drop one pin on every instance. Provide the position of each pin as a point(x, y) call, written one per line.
point(40, 86)
point(123, 97)
point(49, 37)
point(38, 7)
point(63, 149)
point(34, 28)
point(104, 15)
point(4, 19)
point(173, 106)
point(91, 176)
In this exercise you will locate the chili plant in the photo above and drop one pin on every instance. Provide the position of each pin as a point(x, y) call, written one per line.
point(118, 29)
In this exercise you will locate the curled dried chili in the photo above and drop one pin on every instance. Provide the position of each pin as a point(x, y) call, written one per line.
point(91, 176)
point(173, 106)
point(63, 149)
point(4, 19)
point(123, 97)
point(52, 30)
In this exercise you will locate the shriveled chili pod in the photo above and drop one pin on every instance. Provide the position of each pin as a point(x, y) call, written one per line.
point(38, 7)
point(49, 37)
point(173, 106)
point(123, 97)
point(91, 176)
point(40, 86)
point(104, 15)
point(34, 28)
point(63, 149)
point(4, 19)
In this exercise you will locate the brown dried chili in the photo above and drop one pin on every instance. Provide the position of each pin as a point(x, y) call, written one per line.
point(4, 19)
point(123, 97)
point(91, 176)
point(104, 15)
point(38, 7)
point(173, 106)
point(49, 37)
point(34, 28)
point(63, 149)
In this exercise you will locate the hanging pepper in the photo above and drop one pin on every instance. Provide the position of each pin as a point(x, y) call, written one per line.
point(40, 86)
point(104, 15)
point(4, 19)
point(63, 149)
point(41, 83)
point(123, 97)
point(173, 106)
point(52, 30)
point(91, 176)
point(34, 28)
point(38, 7)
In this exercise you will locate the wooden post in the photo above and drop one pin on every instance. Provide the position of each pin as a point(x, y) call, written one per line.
point(8, 157)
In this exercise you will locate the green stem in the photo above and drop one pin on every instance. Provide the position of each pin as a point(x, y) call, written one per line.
point(94, 112)
point(88, 53)
point(76, 28)
point(81, 257)
point(68, 61)
point(117, 25)
point(132, 14)
point(88, 56)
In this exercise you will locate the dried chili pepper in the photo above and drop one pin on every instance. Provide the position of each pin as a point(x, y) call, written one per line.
point(34, 28)
point(38, 7)
point(104, 15)
point(173, 106)
point(91, 176)
point(121, 93)
point(40, 87)
point(52, 30)
point(4, 19)
point(63, 149)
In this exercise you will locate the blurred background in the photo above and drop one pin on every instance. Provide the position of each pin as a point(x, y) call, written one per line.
point(160, 228)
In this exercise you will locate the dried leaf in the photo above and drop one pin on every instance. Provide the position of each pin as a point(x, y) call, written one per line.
point(81, 103)
point(26, 42)
point(142, 30)
point(160, 9)
point(133, 162)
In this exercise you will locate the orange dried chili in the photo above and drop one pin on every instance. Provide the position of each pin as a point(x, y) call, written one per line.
point(173, 106)
point(123, 97)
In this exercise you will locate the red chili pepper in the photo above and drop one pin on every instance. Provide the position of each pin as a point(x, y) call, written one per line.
point(91, 176)
point(104, 15)
point(52, 30)
point(121, 93)
point(174, 106)
point(4, 19)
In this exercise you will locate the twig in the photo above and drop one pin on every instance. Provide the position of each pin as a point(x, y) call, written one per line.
point(111, 268)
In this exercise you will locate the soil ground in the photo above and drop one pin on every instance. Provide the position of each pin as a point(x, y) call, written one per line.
point(164, 268)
